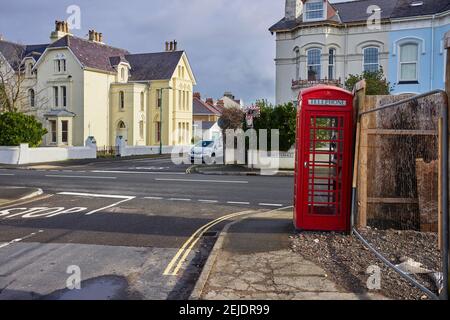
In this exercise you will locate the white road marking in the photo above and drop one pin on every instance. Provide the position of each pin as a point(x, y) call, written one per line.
point(173, 267)
point(20, 239)
point(79, 177)
point(95, 195)
point(7, 174)
point(270, 204)
point(192, 241)
point(208, 201)
point(124, 199)
point(140, 172)
point(154, 198)
point(206, 181)
point(178, 199)
point(237, 202)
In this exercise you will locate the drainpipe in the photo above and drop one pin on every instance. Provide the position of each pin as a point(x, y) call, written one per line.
point(432, 52)
point(346, 52)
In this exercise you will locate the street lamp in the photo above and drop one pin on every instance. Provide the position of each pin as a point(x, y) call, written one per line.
point(161, 119)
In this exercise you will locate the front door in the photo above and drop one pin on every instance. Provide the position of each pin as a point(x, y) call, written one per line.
point(326, 167)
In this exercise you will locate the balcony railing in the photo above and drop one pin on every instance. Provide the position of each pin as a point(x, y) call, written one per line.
point(300, 83)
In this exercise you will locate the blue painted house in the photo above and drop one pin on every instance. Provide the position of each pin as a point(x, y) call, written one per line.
point(417, 55)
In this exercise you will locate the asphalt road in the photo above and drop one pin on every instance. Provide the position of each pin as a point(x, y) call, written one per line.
point(129, 229)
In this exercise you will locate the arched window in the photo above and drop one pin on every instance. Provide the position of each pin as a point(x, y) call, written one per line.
point(331, 64)
point(121, 100)
point(409, 62)
point(31, 96)
point(371, 59)
point(121, 125)
point(142, 102)
point(314, 66)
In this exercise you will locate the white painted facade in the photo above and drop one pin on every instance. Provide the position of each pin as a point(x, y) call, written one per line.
point(348, 41)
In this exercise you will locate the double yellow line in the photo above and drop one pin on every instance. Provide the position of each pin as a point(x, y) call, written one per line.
point(173, 267)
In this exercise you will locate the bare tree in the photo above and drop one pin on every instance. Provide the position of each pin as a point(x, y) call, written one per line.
point(16, 82)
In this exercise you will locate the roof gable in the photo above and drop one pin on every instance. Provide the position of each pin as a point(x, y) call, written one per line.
point(90, 54)
point(202, 108)
point(153, 66)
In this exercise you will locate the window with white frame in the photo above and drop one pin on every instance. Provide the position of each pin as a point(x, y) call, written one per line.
point(64, 131)
point(371, 59)
point(159, 98)
point(60, 63)
point(314, 10)
point(314, 66)
point(31, 96)
point(64, 96)
point(331, 64)
point(121, 100)
point(53, 131)
point(409, 62)
point(55, 96)
point(142, 101)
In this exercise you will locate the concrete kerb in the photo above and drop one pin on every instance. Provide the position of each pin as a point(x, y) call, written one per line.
point(210, 262)
point(196, 169)
point(203, 279)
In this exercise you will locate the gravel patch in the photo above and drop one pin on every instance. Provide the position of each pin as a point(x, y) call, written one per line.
point(346, 259)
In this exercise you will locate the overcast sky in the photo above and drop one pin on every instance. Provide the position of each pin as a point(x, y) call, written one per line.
point(227, 41)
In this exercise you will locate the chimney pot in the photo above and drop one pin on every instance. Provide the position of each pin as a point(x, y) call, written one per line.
point(100, 37)
point(210, 101)
point(175, 45)
point(167, 46)
point(197, 95)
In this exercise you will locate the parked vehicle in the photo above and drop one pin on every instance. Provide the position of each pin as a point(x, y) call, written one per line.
point(207, 151)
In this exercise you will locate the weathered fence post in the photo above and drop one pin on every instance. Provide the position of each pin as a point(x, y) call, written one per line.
point(360, 165)
point(445, 182)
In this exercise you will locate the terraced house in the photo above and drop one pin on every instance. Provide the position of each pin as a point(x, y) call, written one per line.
point(322, 42)
point(80, 88)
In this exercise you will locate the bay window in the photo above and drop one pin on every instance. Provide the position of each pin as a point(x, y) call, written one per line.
point(314, 65)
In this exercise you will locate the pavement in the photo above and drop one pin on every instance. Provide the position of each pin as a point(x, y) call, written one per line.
point(251, 260)
point(134, 228)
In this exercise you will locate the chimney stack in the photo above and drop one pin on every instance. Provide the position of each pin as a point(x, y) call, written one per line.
point(171, 46)
point(197, 95)
point(95, 36)
point(210, 101)
point(61, 30)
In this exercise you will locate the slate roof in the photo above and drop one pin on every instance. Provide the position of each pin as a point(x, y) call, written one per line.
point(14, 51)
point(153, 66)
point(59, 113)
point(206, 125)
point(90, 54)
point(202, 108)
point(144, 67)
point(356, 11)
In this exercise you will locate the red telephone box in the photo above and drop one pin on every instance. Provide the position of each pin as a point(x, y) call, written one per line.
point(324, 148)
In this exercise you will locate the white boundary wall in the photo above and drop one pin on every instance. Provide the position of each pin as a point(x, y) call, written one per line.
point(26, 155)
point(271, 160)
point(127, 151)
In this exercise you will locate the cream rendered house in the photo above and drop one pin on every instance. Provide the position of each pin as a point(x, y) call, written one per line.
point(89, 89)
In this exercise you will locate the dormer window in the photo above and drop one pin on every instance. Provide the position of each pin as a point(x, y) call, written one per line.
point(314, 10)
